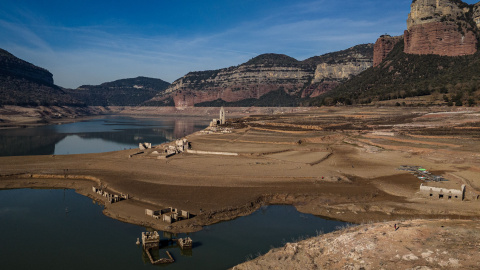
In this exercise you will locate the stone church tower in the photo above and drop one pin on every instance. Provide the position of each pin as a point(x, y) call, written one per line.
point(222, 116)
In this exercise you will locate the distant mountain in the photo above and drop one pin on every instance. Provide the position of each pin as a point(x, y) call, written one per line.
point(267, 80)
point(24, 84)
point(125, 92)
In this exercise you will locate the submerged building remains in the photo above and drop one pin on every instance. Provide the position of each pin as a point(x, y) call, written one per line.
point(169, 215)
point(220, 120)
point(110, 197)
point(443, 193)
point(150, 240)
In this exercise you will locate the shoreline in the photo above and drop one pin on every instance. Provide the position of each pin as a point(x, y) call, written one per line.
point(21, 117)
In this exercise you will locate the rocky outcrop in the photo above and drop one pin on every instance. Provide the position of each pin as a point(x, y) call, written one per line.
point(15, 67)
point(340, 71)
point(25, 84)
point(415, 244)
point(383, 47)
point(476, 14)
point(266, 73)
point(442, 27)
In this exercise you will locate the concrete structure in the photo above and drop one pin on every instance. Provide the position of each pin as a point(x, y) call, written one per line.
point(144, 146)
point(153, 214)
point(199, 152)
point(443, 193)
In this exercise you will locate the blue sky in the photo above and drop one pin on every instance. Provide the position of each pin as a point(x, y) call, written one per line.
point(91, 42)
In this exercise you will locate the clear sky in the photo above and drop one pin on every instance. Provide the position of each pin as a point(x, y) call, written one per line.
point(91, 42)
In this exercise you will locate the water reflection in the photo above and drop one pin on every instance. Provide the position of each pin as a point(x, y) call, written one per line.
point(94, 136)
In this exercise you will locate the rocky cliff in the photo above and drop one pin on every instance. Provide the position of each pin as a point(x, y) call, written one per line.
point(442, 27)
point(476, 14)
point(267, 73)
point(383, 47)
point(15, 67)
point(22, 83)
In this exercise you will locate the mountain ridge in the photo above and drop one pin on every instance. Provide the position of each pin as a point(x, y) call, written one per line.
point(268, 73)
point(122, 92)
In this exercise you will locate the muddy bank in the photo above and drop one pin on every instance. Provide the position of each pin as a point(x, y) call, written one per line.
point(415, 244)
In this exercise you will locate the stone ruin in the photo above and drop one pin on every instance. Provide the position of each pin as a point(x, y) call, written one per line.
point(185, 243)
point(111, 198)
point(150, 239)
point(220, 120)
point(144, 146)
point(169, 215)
point(443, 193)
point(180, 146)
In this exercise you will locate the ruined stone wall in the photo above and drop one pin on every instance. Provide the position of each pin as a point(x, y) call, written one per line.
point(443, 193)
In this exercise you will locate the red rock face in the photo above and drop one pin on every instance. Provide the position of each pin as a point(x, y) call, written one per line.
point(383, 47)
point(188, 98)
point(441, 38)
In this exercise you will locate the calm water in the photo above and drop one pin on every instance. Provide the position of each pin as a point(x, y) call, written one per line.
point(95, 136)
point(37, 233)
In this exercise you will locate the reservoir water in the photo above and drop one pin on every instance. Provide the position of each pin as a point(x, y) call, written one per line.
point(36, 232)
point(60, 229)
point(95, 136)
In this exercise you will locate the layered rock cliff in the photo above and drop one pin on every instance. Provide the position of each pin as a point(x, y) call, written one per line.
point(442, 27)
point(253, 79)
point(267, 73)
